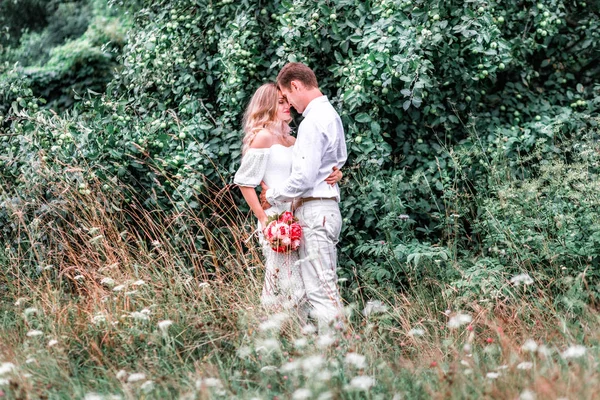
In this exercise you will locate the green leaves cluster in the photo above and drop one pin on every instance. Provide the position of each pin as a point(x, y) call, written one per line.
point(429, 93)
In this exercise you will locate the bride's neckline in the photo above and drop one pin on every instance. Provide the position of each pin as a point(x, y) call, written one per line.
point(282, 145)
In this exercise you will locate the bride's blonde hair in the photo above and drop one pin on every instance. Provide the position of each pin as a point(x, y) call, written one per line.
point(261, 113)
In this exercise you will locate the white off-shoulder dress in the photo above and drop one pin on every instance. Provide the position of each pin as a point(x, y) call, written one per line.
point(283, 287)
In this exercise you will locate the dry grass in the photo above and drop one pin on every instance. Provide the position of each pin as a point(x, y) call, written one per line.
point(199, 274)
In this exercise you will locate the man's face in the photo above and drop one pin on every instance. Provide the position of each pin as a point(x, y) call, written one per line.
point(293, 96)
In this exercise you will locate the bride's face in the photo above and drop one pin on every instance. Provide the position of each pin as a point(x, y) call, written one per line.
point(283, 108)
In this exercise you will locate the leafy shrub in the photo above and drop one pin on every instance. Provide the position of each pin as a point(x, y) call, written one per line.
point(411, 79)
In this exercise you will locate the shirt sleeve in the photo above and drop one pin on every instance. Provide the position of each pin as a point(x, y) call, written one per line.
point(253, 167)
point(308, 151)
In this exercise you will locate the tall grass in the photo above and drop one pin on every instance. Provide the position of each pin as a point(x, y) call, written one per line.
point(103, 298)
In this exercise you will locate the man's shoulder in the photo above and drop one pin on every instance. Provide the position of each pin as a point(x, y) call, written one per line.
point(325, 112)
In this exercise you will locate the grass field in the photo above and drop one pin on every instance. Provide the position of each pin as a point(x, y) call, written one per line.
point(110, 313)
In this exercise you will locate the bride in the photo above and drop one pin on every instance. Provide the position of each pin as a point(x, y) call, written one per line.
point(267, 156)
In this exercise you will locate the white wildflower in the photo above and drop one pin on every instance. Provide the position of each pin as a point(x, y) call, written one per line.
point(374, 307)
point(459, 320)
point(362, 382)
point(164, 325)
point(530, 346)
point(492, 375)
point(325, 341)
point(130, 292)
point(118, 288)
point(290, 366)
point(4, 382)
point(501, 367)
point(325, 396)
point(136, 377)
point(30, 360)
point(358, 360)
point(527, 395)
point(34, 332)
point(467, 348)
point(525, 365)
point(140, 315)
point(122, 375)
point(138, 283)
point(300, 343)
point(465, 363)
point(268, 369)
point(29, 311)
point(323, 375)
point(147, 386)
point(416, 332)
point(574, 352)
point(98, 318)
point(313, 363)
point(6, 367)
point(203, 284)
point(20, 301)
point(274, 322)
point(79, 277)
point(52, 342)
point(107, 281)
point(309, 329)
point(524, 279)
point(544, 351)
point(302, 394)
point(93, 396)
point(209, 383)
point(267, 346)
point(468, 371)
point(244, 351)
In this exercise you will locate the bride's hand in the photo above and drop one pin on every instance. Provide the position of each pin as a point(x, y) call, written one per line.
point(262, 224)
point(334, 177)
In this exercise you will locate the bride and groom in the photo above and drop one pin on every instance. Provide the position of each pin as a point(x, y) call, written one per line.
point(300, 175)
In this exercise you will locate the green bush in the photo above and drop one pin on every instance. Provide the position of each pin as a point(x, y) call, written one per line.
point(412, 81)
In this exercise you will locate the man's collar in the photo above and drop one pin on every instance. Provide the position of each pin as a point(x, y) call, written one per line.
point(313, 103)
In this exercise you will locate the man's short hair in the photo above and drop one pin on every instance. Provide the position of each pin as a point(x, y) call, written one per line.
point(296, 71)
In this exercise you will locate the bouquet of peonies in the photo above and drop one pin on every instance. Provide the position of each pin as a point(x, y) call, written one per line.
point(283, 232)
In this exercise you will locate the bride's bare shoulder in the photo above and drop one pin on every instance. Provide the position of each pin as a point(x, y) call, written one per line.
point(262, 140)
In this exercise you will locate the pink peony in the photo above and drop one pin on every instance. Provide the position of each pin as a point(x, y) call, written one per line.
point(295, 231)
point(283, 230)
point(271, 231)
point(286, 217)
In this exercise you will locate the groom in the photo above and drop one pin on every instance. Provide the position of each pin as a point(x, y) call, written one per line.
point(320, 146)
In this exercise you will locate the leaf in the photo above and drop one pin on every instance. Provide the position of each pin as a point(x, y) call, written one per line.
point(406, 92)
point(363, 118)
point(406, 105)
point(579, 88)
point(375, 128)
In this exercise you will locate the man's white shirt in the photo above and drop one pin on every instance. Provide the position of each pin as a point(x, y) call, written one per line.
point(320, 145)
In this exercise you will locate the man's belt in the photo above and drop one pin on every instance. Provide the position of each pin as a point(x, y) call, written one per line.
point(297, 203)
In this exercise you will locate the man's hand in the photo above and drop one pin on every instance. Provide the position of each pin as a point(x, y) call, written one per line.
point(263, 196)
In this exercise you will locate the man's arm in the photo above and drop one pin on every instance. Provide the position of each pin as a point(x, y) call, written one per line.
point(308, 152)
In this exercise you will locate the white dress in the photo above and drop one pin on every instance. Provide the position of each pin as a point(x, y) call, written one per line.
point(283, 285)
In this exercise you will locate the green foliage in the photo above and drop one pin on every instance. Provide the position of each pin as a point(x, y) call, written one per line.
point(412, 81)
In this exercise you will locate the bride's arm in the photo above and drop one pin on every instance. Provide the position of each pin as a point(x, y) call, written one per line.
point(251, 198)
point(335, 176)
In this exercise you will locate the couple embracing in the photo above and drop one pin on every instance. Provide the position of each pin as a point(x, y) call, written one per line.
point(299, 175)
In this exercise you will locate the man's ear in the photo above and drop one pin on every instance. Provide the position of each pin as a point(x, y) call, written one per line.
point(295, 85)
